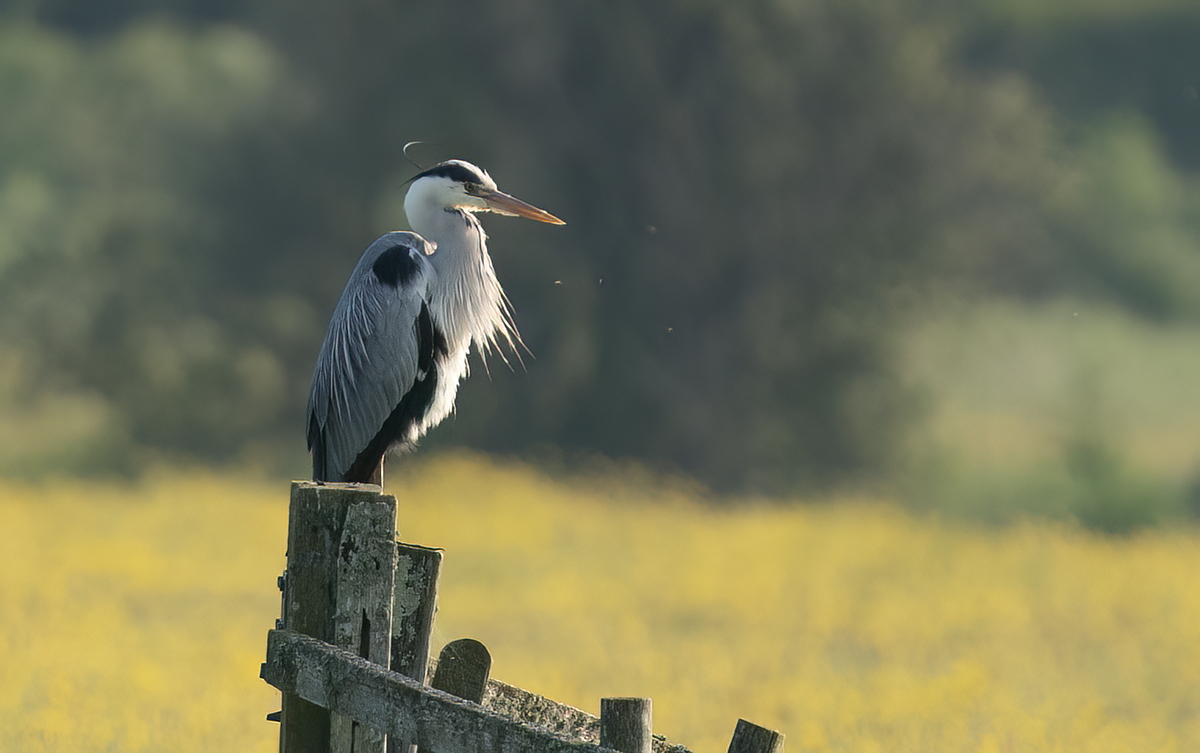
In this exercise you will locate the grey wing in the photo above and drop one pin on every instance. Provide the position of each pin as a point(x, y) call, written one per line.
point(369, 360)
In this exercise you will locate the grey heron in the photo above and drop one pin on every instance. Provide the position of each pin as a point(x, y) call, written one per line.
point(397, 344)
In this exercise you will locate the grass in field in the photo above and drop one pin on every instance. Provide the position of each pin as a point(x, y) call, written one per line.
point(134, 618)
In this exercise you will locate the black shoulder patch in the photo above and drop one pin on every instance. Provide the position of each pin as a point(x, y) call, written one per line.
point(395, 267)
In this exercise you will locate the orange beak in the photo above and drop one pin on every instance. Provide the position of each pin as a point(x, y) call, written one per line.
point(501, 203)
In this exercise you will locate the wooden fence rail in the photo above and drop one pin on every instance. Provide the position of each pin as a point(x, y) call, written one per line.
point(357, 605)
point(347, 684)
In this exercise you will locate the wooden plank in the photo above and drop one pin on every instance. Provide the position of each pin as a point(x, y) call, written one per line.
point(348, 684)
point(559, 718)
point(626, 724)
point(414, 607)
point(366, 570)
point(417, 571)
point(751, 738)
point(362, 617)
point(316, 521)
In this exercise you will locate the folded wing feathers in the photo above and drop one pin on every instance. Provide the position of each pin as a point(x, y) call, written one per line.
point(368, 361)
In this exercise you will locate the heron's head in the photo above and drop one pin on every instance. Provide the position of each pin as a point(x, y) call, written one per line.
point(456, 184)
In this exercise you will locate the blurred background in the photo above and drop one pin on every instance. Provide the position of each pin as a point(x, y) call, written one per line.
point(944, 251)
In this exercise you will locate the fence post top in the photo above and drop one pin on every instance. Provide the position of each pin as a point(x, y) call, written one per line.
point(338, 485)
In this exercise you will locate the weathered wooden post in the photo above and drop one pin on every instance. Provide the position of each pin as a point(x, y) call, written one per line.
point(413, 609)
point(751, 738)
point(338, 588)
point(626, 724)
point(462, 670)
point(349, 583)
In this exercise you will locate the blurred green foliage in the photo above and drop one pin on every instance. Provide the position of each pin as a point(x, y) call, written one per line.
point(759, 196)
point(1064, 409)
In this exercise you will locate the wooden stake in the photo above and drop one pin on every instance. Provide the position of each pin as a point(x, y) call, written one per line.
point(317, 525)
point(462, 669)
point(626, 724)
point(362, 617)
point(415, 605)
point(751, 738)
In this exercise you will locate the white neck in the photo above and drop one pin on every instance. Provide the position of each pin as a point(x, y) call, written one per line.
point(466, 300)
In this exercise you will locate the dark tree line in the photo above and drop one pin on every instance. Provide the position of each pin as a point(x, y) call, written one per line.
point(756, 193)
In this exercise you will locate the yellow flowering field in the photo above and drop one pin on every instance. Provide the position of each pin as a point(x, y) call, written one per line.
point(133, 617)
